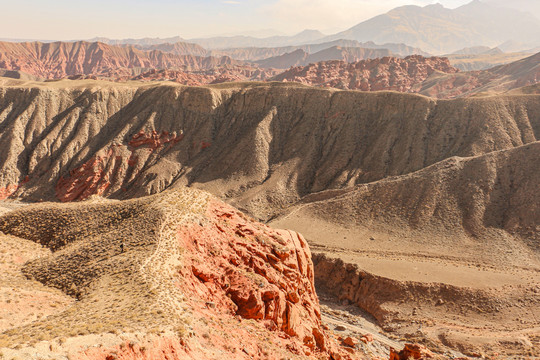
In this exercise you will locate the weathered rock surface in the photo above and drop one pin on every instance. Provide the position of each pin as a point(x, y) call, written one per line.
point(428, 76)
point(446, 316)
point(262, 146)
point(62, 59)
point(387, 73)
point(412, 351)
point(301, 58)
point(177, 260)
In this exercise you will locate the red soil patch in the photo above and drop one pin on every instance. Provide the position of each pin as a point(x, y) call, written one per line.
point(95, 176)
point(10, 189)
point(154, 139)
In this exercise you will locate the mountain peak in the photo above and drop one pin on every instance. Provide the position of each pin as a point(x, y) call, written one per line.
point(476, 23)
point(435, 6)
point(310, 32)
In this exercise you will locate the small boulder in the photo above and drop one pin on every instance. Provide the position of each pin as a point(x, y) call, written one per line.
point(350, 341)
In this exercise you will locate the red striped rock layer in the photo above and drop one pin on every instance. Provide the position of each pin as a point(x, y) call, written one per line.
point(62, 59)
point(118, 165)
point(387, 73)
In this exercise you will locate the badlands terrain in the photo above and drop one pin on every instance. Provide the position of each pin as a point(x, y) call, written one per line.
point(342, 64)
point(368, 194)
point(421, 215)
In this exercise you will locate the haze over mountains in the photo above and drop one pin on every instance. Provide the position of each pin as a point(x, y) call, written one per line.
point(469, 35)
point(439, 30)
point(432, 28)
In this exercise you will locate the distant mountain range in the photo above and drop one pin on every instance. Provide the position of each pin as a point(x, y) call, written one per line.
point(433, 28)
point(139, 42)
point(62, 59)
point(439, 30)
point(404, 31)
point(261, 53)
point(338, 67)
point(482, 57)
point(225, 42)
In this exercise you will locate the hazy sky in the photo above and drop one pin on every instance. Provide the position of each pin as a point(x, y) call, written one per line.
point(75, 19)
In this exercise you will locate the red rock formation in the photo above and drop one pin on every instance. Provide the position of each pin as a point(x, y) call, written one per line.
point(411, 351)
point(94, 177)
point(7, 191)
point(84, 181)
point(154, 349)
point(260, 273)
point(62, 59)
point(235, 288)
point(11, 189)
point(387, 73)
point(154, 139)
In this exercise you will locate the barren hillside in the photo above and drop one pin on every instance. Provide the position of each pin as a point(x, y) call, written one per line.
point(263, 146)
point(478, 197)
point(498, 79)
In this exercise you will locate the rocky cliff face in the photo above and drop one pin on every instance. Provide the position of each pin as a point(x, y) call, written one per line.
point(387, 73)
point(301, 58)
point(524, 72)
point(61, 59)
point(180, 260)
point(261, 146)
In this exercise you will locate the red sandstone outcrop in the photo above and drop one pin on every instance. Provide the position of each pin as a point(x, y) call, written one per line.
point(300, 57)
point(7, 191)
point(521, 73)
point(281, 288)
point(248, 289)
point(432, 76)
point(411, 351)
point(118, 163)
point(387, 73)
point(237, 73)
point(62, 59)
